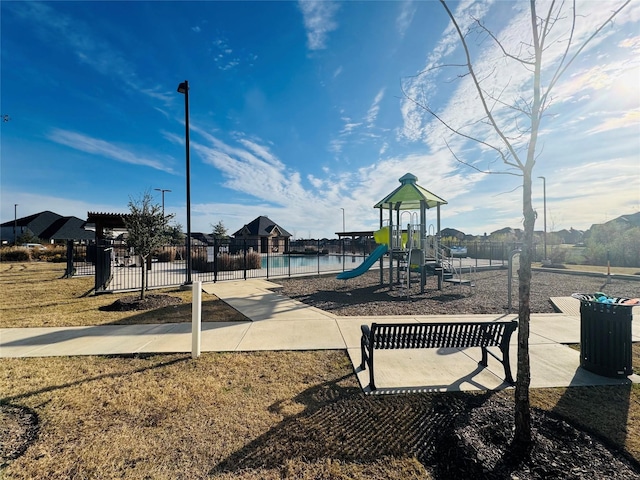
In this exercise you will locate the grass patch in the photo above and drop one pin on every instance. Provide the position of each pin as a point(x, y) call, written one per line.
point(34, 294)
point(264, 415)
point(167, 416)
point(247, 416)
point(597, 269)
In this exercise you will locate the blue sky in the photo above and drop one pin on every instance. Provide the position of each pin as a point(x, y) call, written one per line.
point(299, 110)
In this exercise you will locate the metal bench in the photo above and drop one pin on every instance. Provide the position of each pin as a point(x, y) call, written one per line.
point(392, 336)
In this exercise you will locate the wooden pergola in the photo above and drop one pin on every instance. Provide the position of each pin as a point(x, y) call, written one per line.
point(106, 221)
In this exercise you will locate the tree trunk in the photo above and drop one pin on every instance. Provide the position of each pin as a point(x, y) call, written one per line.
point(522, 436)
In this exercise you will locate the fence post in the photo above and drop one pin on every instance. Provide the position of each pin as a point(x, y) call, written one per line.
point(268, 258)
point(244, 260)
point(216, 249)
point(69, 272)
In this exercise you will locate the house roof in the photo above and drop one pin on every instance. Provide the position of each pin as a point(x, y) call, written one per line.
point(48, 225)
point(37, 223)
point(262, 227)
point(67, 228)
point(108, 220)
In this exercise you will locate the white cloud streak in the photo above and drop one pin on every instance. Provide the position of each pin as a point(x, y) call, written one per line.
point(102, 148)
point(318, 18)
point(405, 17)
point(96, 53)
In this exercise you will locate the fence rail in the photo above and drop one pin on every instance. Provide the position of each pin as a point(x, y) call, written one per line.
point(116, 268)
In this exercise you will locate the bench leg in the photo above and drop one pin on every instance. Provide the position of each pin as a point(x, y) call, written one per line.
point(507, 368)
point(483, 362)
point(363, 355)
point(371, 382)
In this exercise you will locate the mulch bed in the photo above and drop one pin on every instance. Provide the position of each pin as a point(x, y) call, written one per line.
point(18, 429)
point(149, 302)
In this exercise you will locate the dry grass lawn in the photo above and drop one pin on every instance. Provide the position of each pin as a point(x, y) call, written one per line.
point(35, 295)
point(266, 415)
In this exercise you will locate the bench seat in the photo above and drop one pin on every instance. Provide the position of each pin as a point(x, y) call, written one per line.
point(392, 336)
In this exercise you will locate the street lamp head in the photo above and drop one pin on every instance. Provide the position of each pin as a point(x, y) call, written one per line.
point(183, 87)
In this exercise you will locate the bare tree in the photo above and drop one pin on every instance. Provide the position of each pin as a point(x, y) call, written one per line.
point(510, 127)
point(146, 231)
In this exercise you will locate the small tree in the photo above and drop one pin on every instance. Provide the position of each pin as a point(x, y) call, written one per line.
point(27, 237)
point(175, 234)
point(510, 124)
point(147, 230)
point(219, 230)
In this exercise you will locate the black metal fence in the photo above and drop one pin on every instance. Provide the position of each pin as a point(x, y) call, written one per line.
point(116, 268)
point(496, 252)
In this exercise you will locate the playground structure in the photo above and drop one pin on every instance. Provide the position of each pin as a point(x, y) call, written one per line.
point(414, 249)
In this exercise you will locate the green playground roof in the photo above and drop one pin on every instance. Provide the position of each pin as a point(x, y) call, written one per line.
point(409, 195)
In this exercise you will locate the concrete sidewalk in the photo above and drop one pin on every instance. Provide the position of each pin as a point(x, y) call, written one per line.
point(279, 323)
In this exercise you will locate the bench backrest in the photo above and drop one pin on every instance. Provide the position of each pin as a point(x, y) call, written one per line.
point(441, 335)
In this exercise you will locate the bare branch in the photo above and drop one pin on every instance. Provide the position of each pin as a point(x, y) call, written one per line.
point(470, 165)
point(428, 109)
point(499, 44)
point(496, 127)
point(561, 68)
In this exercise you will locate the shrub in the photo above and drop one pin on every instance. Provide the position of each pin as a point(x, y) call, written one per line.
point(226, 262)
point(167, 254)
point(619, 245)
point(53, 253)
point(557, 255)
point(199, 262)
point(15, 254)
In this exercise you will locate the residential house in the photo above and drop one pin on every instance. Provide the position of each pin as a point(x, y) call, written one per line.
point(48, 226)
point(264, 236)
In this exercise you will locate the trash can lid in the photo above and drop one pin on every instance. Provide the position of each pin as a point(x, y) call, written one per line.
point(600, 297)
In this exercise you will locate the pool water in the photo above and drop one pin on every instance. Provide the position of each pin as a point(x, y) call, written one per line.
point(312, 262)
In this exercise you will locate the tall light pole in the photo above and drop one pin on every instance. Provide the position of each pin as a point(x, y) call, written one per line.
point(544, 197)
point(343, 230)
point(15, 223)
point(184, 89)
point(162, 190)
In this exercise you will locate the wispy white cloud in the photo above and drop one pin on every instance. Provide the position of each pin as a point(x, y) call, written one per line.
point(405, 17)
point(95, 52)
point(226, 58)
point(617, 121)
point(372, 114)
point(506, 83)
point(318, 18)
point(102, 148)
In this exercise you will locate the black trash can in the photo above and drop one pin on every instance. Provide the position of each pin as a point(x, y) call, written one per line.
point(605, 335)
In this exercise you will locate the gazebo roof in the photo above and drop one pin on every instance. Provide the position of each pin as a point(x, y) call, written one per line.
point(409, 195)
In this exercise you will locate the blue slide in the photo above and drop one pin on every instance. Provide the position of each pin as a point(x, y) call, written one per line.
point(366, 265)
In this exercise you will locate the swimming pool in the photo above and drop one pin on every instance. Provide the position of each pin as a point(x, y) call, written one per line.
point(292, 264)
